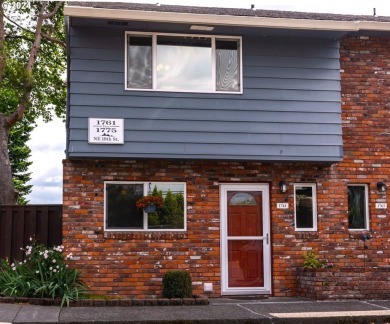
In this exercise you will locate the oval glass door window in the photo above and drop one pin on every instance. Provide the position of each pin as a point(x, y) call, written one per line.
point(242, 198)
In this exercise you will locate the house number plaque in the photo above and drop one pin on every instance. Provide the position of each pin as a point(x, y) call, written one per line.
point(381, 205)
point(105, 131)
point(282, 205)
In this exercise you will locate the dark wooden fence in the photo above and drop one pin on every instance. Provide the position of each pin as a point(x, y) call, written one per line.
point(19, 223)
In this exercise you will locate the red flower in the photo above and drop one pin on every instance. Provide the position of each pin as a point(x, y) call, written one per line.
point(157, 201)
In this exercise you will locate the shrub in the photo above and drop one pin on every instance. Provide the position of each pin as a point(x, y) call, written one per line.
point(311, 261)
point(177, 284)
point(43, 274)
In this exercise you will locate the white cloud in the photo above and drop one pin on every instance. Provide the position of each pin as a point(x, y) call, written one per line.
point(47, 144)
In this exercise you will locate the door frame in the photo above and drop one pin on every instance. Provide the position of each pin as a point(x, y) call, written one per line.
point(266, 238)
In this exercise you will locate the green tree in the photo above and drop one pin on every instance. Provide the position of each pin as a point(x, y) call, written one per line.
point(179, 219)
point(32, 65)
point(172, 213)
point(19, 154)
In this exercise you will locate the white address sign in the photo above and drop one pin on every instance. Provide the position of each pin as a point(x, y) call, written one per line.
point(381, 205)
point(282, 205)
point(105, 131)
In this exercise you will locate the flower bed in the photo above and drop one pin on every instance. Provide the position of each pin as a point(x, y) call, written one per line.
point(344, 283)
point(43, 274)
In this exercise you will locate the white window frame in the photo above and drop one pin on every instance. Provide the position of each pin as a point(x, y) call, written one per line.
point(154, 61)
point(145, 215)
point(315, 216)
point(367, 209)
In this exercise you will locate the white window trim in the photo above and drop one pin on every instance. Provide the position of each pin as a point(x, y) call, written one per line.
point(314, 190)
point(154, 63)
point(145, 223)
point(367, 209)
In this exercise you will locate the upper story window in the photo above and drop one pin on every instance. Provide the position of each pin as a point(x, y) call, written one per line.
point(358, 207)
point(305, 201)
point(183, 63)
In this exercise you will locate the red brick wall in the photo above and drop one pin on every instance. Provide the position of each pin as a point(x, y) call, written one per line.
point(344, 283)
point(133, 264)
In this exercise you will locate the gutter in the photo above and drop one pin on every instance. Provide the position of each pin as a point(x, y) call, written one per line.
point(243, 21)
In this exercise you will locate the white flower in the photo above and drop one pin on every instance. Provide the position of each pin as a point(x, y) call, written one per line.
point(30, 238)
point(13, 268)
point(29, 249)
point(58, 248)
point(13, 264)
point(54, 260)
point(55, 270)
point(37, 271)
point(51, 268)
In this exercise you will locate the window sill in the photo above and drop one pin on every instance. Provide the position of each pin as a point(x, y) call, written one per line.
point(145, 235)
point(310, 230)
point(240, 92)
point(358, 230)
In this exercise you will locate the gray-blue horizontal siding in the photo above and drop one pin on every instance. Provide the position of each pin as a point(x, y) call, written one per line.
point(290, 109)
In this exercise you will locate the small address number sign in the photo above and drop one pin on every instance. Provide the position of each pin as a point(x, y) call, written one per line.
point(105, 131)
point(282, 205)
point(381, 205)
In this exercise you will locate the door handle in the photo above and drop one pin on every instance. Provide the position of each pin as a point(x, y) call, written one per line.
point(267, 238)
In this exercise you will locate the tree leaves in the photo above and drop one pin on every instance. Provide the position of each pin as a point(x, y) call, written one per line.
point(32, 81)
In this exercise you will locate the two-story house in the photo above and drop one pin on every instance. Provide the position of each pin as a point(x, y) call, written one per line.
point(266, 133)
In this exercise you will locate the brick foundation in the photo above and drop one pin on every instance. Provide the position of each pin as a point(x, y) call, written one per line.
point(132, 264)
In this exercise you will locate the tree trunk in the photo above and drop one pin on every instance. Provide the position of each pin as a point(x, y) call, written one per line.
point(8, 196)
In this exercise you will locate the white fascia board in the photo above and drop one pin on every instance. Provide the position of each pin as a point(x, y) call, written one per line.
point(374, 26)
point(189, 18)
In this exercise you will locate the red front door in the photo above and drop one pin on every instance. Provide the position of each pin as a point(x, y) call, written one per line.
point(245, 257)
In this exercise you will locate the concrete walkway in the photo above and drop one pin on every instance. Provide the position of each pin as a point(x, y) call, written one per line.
point(221, 310)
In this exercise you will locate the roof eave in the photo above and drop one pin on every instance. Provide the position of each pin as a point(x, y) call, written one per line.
point(243, 21)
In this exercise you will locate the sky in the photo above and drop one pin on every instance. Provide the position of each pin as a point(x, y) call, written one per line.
point(48, 139)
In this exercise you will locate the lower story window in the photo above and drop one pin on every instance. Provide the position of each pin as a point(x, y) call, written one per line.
point(358, 207)
point(305, 207)
point(121, 212)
